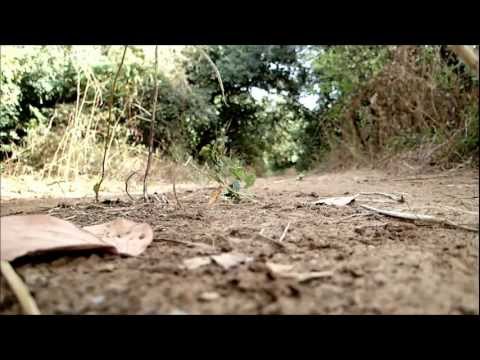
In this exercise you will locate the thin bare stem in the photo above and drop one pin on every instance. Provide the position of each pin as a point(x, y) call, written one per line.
point(126, 185)
point(107, 140)
point(173, 186)
point(152, 127)
point(217, 73)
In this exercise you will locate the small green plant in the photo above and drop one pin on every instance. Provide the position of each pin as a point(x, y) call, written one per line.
point(229, 172)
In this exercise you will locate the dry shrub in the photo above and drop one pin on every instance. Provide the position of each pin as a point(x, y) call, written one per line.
point(415, 110)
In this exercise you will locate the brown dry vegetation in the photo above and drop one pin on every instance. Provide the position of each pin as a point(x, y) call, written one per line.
point(403, 114)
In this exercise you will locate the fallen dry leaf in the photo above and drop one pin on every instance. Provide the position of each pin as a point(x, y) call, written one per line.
point(196, 262)
point(229, 260)
point(336, 201)
point(33, 234)
point(29, 234)
point(128, 237)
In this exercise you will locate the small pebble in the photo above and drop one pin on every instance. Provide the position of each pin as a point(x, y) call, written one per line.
point(209, 296)
point(97, 300)
point(107, 268)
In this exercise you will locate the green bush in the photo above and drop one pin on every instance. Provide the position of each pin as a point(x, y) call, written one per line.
point(40, 89)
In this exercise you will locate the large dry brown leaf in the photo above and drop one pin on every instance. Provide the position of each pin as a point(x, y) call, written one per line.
point(128, 237)
point(33, 234)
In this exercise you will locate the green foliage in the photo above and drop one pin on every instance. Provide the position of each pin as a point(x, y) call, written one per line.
point(228, 171)
point(39, 93)
point(189, 113)
point(274, 69)
point(340, 70)
point(240, 174)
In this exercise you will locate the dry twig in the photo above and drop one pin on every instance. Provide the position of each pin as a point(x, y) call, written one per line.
point(19, 289)
point(419, 217)
point(284, 233)
point(188, 243)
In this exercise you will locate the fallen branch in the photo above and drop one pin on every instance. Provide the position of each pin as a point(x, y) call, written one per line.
point(418, 217)
point(19, 289)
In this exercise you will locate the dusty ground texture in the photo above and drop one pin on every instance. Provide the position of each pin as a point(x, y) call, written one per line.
point(371, 264)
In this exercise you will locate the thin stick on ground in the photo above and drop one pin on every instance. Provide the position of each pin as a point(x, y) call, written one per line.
point(126, 185)
point(173, 186)
point(96, 188)
point(19, 289)
point(418, 217)
point(284, 233)
point(152, 127)
point(390, 196)
point(188, 243)
point(261, 236)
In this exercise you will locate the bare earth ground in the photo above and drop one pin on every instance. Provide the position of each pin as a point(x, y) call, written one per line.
point(378, 265)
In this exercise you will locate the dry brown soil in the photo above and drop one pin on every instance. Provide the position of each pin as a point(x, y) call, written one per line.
point(377, 265)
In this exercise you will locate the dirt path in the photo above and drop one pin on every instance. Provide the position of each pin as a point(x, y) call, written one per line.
point(368, 264)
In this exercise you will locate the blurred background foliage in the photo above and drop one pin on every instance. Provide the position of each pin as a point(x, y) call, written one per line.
point(286, 106)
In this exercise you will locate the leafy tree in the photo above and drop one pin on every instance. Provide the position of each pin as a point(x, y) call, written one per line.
point(274, 69)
